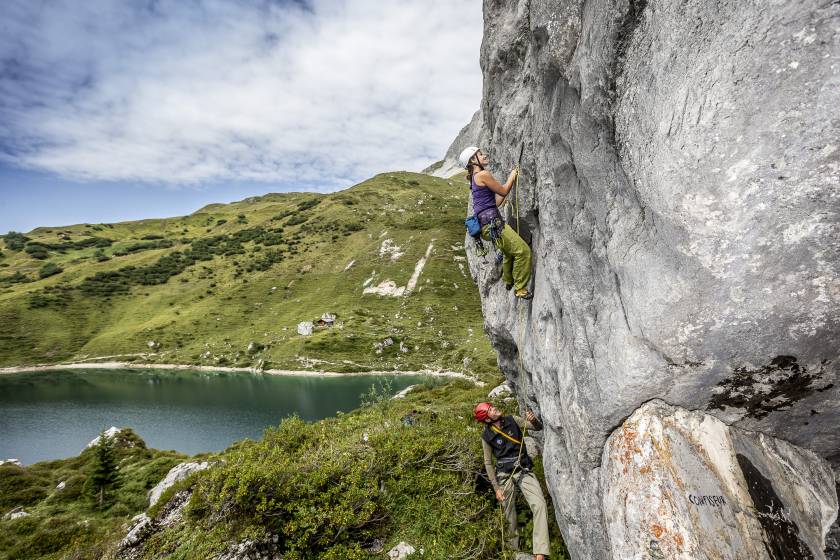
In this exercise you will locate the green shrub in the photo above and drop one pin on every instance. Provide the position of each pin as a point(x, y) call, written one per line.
point(296, 220)
point(49, 269)
point(20, 487)
point(307, 204)
point(15, 241)
point(16, 278)
point(36, 251)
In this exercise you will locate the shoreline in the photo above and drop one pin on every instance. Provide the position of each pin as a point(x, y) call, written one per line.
point(227, 369)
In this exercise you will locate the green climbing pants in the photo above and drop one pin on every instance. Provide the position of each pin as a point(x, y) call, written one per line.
point(532, 491)
point(516, 266)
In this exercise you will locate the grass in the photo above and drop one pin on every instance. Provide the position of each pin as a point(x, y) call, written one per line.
point(67, 523)
point(143, 286)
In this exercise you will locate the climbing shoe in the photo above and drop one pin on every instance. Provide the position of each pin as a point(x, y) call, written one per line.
point(523, 294)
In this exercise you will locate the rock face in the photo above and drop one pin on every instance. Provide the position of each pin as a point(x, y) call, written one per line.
point(680, 193)
point(473, 134)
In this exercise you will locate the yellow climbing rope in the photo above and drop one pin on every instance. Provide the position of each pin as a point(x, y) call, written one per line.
point(522, 377)
point(524, 384)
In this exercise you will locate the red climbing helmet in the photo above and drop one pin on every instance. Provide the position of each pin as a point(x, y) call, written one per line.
point(480, 412)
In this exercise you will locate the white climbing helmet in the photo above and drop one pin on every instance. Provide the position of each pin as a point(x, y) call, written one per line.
point(466, 155)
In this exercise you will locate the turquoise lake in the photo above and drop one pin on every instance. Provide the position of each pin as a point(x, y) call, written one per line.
point(54, 414)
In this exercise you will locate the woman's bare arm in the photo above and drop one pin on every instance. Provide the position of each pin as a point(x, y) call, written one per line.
point(486, 179)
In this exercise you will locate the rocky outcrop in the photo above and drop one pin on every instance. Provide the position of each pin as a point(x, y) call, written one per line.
point(679, 191)
point(471, 135)
point(175, 474)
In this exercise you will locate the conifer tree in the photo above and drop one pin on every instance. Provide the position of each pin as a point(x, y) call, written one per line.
point(105, 476)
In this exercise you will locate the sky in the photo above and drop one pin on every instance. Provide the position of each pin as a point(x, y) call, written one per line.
point(112, 110)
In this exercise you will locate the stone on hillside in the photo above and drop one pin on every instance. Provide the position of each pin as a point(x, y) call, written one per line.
point(175, 474)
point(252, 550)
point(10, 462)
point(255, 347)
point(141, 526)
point(110, 433)
point(500, 390)
point(153, 345)
point(404, 392)
point(403, 348)
point(380, 346)
point(679, 192)
point(60, 486)
point(16, 513)
point(304, 328)
point(402, 551)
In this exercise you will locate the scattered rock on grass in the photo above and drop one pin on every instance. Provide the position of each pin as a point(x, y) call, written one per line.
point(16, 513)
point(401, 551)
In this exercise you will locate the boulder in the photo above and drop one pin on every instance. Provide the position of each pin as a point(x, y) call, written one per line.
point(175, 474)
point(402, 551)
point(500, 390)
point(16, 513)
point(685, 484)
point(304, 328)
point(679, 192)
point(140, 528)
point(110, 433)
point(404, 392)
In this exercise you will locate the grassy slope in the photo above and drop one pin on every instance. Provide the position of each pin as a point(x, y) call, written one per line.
point(210, 313)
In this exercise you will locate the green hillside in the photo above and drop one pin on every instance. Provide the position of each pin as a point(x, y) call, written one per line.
point(228, 284)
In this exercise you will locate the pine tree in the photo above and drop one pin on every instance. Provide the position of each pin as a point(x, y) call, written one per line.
point(105, 475)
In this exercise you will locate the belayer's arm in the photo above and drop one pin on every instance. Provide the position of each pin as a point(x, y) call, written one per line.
point(488, 464)
point(523, 423)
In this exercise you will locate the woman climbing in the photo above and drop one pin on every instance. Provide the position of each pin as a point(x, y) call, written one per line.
point(487, 194)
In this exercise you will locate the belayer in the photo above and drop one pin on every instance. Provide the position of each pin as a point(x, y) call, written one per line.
point(502, 439)
point(487, 194)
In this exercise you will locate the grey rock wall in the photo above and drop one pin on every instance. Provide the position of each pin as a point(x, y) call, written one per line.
point(681, 191)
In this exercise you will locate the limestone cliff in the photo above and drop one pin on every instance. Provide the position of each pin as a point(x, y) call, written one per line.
point(680, 192)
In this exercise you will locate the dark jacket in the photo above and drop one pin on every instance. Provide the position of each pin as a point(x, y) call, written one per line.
point(506, 451)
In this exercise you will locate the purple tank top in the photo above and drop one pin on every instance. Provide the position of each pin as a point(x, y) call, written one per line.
point(482, 197)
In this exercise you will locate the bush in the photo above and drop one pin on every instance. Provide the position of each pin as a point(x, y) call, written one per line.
point(50, 269)
point(20, 487)
point(296, 220)
point(100, 256)
point(36, 251)
point(15, 241)
point(307, 204)
point(16, 278)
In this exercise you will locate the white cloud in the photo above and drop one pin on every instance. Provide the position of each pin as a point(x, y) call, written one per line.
point(187, 92)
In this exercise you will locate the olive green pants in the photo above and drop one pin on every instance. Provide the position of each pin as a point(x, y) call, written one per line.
point(516, 265)
point(532, 491)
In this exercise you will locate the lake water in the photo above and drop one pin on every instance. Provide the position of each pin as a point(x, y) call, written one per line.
point(52, 415)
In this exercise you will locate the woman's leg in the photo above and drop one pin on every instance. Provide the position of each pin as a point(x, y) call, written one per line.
point(515, 248)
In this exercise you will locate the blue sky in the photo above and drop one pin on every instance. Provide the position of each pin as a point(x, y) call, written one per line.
point(115, 110)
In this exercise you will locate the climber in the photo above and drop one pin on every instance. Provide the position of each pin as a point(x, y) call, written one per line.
point(487, 194)
point(502, 439)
